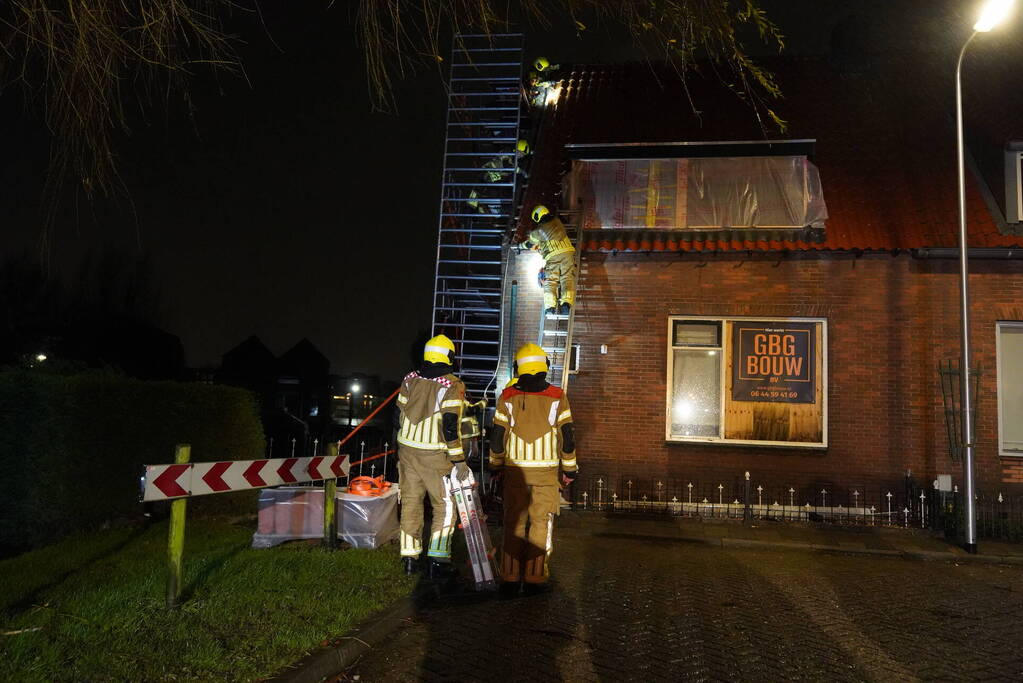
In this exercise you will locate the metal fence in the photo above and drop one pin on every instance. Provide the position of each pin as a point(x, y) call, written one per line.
point(905, 504)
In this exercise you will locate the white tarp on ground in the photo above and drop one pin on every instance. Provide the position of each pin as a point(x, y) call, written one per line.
point(776, 192)
point(291, 513)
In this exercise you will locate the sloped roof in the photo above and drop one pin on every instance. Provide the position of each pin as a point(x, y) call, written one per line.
point(885, 149)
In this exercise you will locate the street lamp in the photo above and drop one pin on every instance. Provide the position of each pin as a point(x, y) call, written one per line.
point(992, 13)
point(354, 391)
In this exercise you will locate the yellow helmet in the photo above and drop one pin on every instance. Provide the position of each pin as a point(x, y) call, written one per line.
point(531, 360)
point(541, 63)
point(539, 211)
point(439, 349)
point(522, 147)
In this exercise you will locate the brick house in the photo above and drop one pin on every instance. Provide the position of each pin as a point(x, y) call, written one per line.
point(683, 333)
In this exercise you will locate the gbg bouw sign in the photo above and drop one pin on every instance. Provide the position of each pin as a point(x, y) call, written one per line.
point(773, 361)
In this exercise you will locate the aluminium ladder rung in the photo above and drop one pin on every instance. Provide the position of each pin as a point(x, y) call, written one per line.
point(480, 65)
point(489, 79)
point(483, 109)
point(489, 216)
point(491, 139)
point(473, 154)
point(483, 93)
point(478, 247)
point(475, 231)
point(556, 333)
point(468, 292)
point(492, 123)
point(486, 185)
point(470, 263)
point(468, 277)
point(472, 356)
point(468, 309)
point(472, 326)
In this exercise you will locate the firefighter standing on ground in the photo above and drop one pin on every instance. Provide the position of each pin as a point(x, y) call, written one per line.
point(551, 240)
point(430, 406)
point(533, 446)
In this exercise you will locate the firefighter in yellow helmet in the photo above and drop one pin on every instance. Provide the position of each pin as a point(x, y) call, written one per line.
point(499, 169)
point(532, 444)
point(430, 404)
point(551, 240)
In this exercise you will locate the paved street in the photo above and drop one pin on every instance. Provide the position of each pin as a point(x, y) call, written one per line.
point(651, 608)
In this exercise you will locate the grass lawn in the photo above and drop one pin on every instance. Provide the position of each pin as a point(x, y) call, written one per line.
point(97, 602)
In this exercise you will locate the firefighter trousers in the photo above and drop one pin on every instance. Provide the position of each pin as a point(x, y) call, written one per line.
point(559, 287)
point(420, 474)
point(530, 502)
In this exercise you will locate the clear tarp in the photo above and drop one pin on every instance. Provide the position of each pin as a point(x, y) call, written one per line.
point(713, 193)
point(290, 513)
point(368, 521)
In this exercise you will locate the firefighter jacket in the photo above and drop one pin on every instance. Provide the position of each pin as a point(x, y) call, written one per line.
point(533, 423)
point(550, 238)
point(424, 402)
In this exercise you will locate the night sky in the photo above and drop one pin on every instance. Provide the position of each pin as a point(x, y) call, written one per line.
point(286, 208)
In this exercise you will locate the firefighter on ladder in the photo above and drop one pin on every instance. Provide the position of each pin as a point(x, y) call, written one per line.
point(532, 446)
point(494, 171)
point(551, 240)
point(430, 405)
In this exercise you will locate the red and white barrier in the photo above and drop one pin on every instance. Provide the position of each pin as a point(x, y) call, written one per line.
point(162, 482)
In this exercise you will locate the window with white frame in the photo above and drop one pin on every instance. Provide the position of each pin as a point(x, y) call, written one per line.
point(1009, 347)
point(755, 381)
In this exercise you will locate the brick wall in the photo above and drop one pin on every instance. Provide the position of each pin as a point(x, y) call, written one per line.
point(890, 320)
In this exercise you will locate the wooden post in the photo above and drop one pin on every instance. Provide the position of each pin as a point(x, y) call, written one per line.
point(176, 535)
point(330, 508)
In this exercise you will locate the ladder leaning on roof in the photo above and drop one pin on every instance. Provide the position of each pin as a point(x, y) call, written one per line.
point(478, 203)
point(555, 335)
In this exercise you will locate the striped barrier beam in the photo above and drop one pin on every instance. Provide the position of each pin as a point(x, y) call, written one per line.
point(183, 480)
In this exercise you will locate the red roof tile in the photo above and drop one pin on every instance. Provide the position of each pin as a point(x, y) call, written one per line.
point(885, 150)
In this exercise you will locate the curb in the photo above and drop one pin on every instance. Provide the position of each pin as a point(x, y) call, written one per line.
point(333, 660)
point(910, 554)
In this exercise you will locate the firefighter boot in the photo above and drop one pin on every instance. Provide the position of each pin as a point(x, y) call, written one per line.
point(411, 565)
point(565, 308)
point(508, 590)
point(530, 589)
point(441, 571)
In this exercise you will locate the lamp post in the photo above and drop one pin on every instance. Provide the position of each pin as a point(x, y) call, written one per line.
point(992, 13)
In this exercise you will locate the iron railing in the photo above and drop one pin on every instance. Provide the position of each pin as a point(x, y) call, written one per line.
point(902, 504)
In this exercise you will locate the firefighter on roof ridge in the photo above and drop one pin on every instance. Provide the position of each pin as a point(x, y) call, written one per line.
point(430, 405)
point(533, 446)
point(551, 240)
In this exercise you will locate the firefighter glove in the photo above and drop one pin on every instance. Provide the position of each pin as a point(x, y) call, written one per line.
point(462, 470)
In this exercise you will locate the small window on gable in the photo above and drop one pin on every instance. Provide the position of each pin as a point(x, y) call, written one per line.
point(700, 193)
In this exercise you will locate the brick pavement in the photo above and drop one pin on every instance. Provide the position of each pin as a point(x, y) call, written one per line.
point(648, 608)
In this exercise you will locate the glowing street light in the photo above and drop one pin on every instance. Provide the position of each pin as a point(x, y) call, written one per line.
point(992, 13)
point(40, 357)
point(355, 389)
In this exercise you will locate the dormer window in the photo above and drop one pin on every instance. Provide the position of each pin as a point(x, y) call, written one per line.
point(705, 192)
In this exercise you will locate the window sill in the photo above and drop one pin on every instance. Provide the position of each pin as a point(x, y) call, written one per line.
point(774, 445)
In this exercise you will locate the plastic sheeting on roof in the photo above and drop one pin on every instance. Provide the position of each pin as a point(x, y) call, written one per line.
point(777, 192)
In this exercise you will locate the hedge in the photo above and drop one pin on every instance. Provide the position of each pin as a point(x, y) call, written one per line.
point(72, 447)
